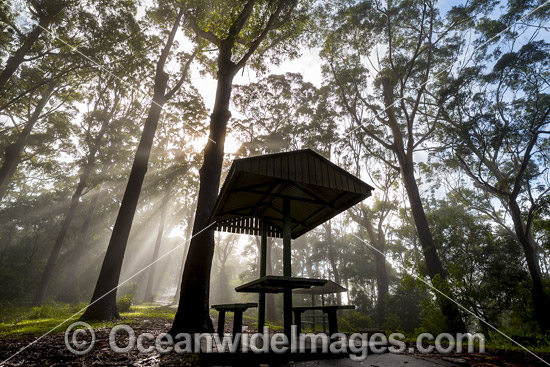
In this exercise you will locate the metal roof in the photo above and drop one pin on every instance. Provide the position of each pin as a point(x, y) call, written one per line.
point(255, 187)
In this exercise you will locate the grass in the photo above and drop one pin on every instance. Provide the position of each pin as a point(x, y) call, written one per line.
point(21, 321)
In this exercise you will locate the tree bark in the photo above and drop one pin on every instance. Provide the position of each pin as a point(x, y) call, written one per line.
point(103, 304)
point(14, 151)
point(193, 309)
point(188, 232)
point(433, 263)
point(541, 301)
point(71, 212)
point(149, 297)
point(332, 258)
point(72, 273)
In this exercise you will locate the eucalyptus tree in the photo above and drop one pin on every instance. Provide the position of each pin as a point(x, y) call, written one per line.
point(377, 51)
point(99, 29)
point(173, 158)
point(375, 221)
point(276, 113)
point(103, 111)
point(484, 261)
point(497, 128)
point(255, 33)
point(35, 107)
point(23, 45)
point(103, 304)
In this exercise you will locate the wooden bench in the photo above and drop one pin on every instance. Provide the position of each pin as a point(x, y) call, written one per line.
point(237, 309)
point(329, 310)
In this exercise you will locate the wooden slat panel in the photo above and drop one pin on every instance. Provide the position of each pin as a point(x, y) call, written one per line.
point(278, 162)
point(263, 166)
point(305, 168)
point(298, 162)
point(345, 183)
point(247, 166)
point(291, 168)
point(255, 166)
point(324, 175)
point(311, 168)
point(338, 180)
point(284, 168)
point(330, 175)
point(270, 167)
point(318, 173)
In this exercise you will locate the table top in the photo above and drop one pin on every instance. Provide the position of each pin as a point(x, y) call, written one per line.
point(234, 306)
point(327, 308)
point(278, 284)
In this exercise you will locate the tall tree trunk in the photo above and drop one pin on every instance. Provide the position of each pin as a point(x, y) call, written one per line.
point(378, 241)
point(433, 263)
point(14, 151)
point(151, 276)
point(332, 258)
point(193, 308)
point(188, 231)
point(434, 267)
point(541, 301)
point(19, 56)
point(193, 313)
point(72, 273)
point(103, 303)
point(71, 212)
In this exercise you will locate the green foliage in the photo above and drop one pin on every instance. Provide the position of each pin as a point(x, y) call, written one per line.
point(354, 321)
point(125, 302)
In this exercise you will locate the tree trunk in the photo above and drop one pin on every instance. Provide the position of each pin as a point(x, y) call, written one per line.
point(434, 267)
point(72, 274)
point(71, 212)
point(188, 231)
point(332, 258)
point(433, 263)
point(541, 301)
point(193, 309)
point(149, 297)
point(18, 57)
point(103, 303)
point(14, 151)
point(377, 240)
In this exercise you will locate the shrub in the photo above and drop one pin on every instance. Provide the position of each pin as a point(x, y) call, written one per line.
point(124, 303)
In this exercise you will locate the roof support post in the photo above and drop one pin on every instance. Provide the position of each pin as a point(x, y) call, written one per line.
point(287, 270)
point(263, 249)
point(263, 267)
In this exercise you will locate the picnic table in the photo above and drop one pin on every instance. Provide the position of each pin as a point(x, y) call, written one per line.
point(331, 311)
point(283, 195)
point(237, 309)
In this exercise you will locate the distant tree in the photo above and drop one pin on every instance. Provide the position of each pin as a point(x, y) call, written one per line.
point(497, 130)
point(44, 13)
point(375, 221)
point(401, 49)
point(104, 114)
point(103, 304)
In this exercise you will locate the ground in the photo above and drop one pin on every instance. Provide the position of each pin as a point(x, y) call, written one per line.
point(19, 329)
